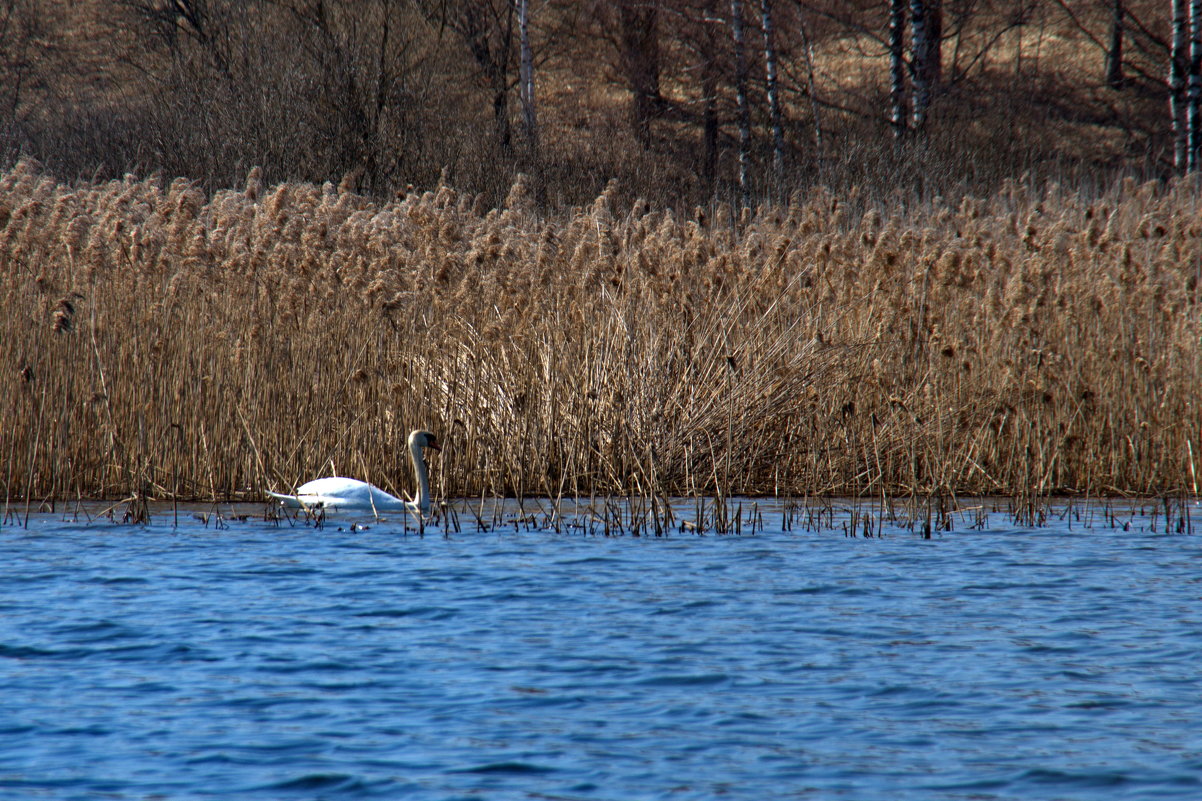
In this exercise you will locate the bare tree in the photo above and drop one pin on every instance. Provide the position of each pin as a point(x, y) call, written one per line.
point(933, 57)
point(811, 88)
point(1114, 54)
point(1178, 68)
point(179, 23)
point(1194, 99)
point(353, 49)
point(778, 133)
point(740, 46)
point(926, 28)
point(708, 48)
point(319, 88)
point(527, 77)
point(897, 68)
point(638, 31)
point(487, 28)
point(25, 45)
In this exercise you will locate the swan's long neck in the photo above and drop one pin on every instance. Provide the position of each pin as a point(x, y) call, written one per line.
point(423, 479)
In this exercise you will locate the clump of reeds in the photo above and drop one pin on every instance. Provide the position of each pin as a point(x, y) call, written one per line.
point(161, 341)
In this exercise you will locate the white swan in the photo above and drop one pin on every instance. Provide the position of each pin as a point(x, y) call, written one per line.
point(336, 492)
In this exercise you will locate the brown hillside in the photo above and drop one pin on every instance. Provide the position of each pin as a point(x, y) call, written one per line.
point(393, 93)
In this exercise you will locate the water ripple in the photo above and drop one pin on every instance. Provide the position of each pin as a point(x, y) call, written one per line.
point(260, 663)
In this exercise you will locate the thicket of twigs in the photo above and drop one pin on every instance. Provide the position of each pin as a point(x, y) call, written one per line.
point(646, 92)
point(156, 340)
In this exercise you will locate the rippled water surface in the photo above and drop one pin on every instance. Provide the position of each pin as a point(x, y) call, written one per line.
point(265, 661)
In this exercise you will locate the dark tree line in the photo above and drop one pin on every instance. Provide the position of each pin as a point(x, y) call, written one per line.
point(740, 99)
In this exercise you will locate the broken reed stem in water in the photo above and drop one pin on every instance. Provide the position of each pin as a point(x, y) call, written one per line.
point(1025, 343)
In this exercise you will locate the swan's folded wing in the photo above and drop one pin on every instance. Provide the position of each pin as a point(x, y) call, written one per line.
point(307, 501)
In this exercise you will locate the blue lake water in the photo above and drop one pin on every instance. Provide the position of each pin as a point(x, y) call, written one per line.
point(261, 660)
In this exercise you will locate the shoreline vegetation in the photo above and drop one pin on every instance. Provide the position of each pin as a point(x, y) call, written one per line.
point(161, 342)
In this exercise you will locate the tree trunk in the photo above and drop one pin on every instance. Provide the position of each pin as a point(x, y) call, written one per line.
point(1114, 57)
point(527, 78)
point(897, 68)
point(926, 54)
point(736, 29)
point(934, 57)
point(487, 30)
point(500, 114)
point(1178, 67)
point(1194, 113)
point(639, 24)
point(778, 132)
point(811, 89)
point(709, 91)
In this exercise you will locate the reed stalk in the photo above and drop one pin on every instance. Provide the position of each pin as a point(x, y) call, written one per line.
point(1026, 343)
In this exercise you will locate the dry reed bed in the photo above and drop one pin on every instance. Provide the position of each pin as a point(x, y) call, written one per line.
point(159, 341)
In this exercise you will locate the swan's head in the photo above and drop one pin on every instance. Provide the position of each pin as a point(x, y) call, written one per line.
point(423, 439)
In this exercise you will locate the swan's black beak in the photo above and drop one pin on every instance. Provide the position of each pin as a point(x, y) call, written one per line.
point(432, 444)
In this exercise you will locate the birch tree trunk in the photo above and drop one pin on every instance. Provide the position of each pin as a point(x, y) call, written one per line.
point(709, 92)
point(811, 89)
point(778, 132)
point(923, 59)
point(736, 27)
point(526, 78)
point(897, 68)
point(1178, 66)
point(1194, 101)
point(1114, 56)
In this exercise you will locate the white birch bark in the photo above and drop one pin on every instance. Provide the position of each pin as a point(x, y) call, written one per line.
point(709, 90)
point(920, 52)
point(526, 78)
point(778, 131)
point(897, 68)
point(811, 89)
point(1194, 94)
point(736, 27)
point(1178, 66)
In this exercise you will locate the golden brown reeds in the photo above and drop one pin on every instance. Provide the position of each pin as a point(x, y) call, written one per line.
point(156, 340)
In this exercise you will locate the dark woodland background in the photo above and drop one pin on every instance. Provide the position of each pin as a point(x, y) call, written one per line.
point(389, 94)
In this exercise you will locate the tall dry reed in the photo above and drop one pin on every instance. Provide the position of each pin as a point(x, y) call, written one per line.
point(159, 341)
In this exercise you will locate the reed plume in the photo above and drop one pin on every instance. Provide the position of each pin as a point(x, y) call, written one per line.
point(204, 346)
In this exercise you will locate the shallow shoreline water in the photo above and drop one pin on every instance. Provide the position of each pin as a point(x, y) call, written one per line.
point(247, 658)
point(651, 516)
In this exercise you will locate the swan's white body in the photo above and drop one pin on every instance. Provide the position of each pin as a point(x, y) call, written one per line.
point(337, 492)
point(352, 494)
